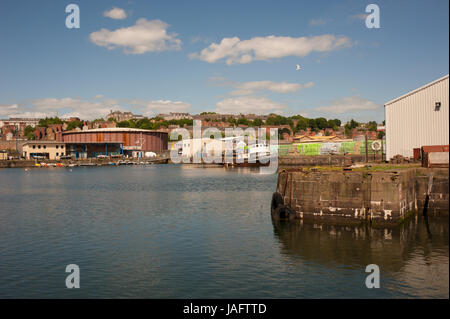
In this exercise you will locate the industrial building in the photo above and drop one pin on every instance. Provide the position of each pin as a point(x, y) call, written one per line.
point(418, 118)
point(200, 147)
point(114, 141)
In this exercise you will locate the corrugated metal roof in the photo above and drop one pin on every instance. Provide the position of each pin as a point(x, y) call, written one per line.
point(113, 129)
point(43, 142)
point(417, 90)
point(435, 148)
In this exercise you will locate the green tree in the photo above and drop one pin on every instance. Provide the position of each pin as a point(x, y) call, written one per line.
point(123, 124)
point(231, 120)
point(50, 121)
point(145, 124)
point(354, 124)
point(74, 124)
point(302, 124)
point(275, 119)
point(349, 126)
point(372, 126)
point(321, 123)
point(257, 122)
point(312, 124)
point(334, 124)
point(29, 133)
point(242, 121)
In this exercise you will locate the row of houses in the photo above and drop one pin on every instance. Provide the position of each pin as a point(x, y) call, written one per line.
point(416, 119)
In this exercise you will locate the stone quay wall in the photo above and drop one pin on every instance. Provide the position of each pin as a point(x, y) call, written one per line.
point(383, 197)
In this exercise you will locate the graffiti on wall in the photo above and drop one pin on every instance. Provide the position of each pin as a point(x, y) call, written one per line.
point(343, 148)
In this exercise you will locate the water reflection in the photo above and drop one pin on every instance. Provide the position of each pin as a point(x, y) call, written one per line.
point(362, 245)
point(176, 232)
point(414, 256)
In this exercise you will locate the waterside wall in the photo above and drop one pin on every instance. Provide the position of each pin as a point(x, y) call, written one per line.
point(380, 197)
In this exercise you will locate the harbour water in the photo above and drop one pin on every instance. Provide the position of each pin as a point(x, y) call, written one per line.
point(168, 231)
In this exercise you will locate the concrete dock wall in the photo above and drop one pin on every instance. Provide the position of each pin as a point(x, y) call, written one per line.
point(321, 160)
point(355, 196)
point(439, 197)
point(96, 161)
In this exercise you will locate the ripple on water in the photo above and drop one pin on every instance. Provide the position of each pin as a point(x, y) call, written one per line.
point(175, 232)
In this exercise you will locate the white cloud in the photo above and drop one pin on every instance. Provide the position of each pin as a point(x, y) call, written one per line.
point(317, 22)
point(165, 106)
point(200, 39)
point(233, 50)
point(8, 110)
point(361, 16)
point(65, 107)
point(16, 110)
point(33, 115)
point(68, 107)
point(248, 88)
point(144, 36)
point(249, 104)
point(349, 104)
point(90, 109)
point(115, 13)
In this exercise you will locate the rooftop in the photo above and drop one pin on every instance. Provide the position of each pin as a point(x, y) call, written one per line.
point(43, 142)
point(417, 90)
point(113, 129)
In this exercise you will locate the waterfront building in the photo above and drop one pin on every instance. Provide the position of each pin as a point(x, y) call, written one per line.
point(114, 141)
point(418, 118)
point(200, 146)
point(51, 150)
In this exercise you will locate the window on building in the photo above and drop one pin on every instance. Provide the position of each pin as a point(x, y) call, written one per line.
point(45, 146)
point(57, 154)
point(34, 146)
point(39, 146)
point(56, 148)
point(437, 106)
point(62, 146)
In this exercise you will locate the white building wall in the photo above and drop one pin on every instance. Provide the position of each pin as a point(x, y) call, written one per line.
point(203, 145)
point(413, 122)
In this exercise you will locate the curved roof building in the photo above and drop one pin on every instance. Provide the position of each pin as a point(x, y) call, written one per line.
point(117, 140)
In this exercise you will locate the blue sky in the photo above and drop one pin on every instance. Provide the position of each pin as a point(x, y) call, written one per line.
point(154, 57)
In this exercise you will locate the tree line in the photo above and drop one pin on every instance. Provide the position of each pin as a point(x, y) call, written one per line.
point(302, 123)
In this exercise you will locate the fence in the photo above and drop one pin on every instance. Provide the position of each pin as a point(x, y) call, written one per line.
point(343, 148)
